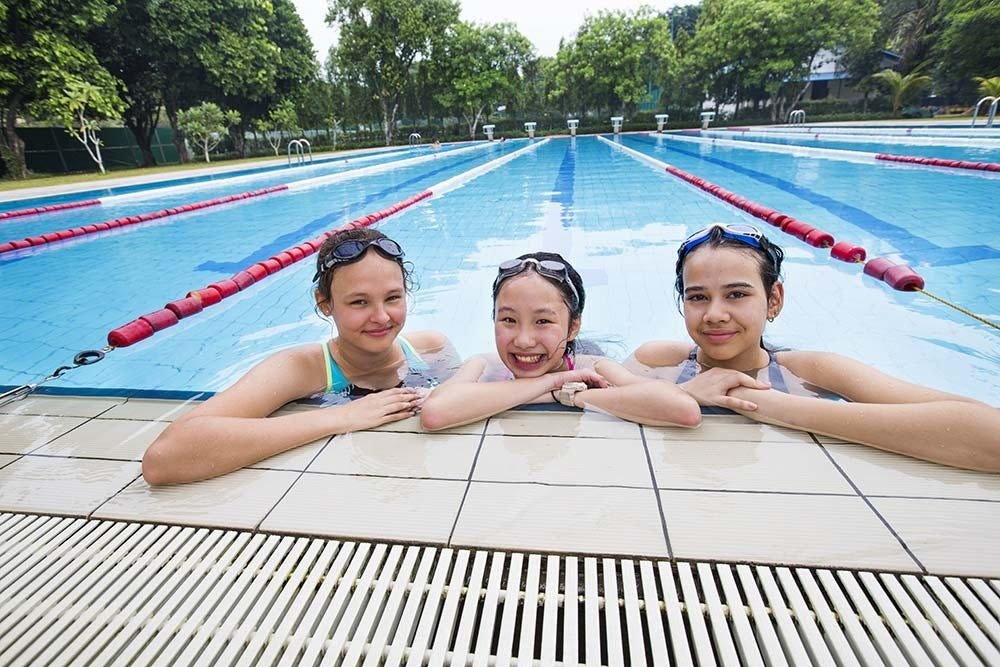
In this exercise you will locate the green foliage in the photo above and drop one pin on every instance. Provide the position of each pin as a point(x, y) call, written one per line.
point(206, 124)
point(40, 47)
point(988, 86)
point(772, 45)
point(379, 41)
point(283, 119)
point(902, 87)
point(482, 65)
point(613, 61)
point(80, 104)
point(967, 44)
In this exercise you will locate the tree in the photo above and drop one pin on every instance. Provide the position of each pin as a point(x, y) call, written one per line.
point(39, 48)
point(283, 118)
point(482, 66)
point(902, 87)
point(989, 87)
point(206, 124)
point(81, 104)
point(773, 45)
point(967, 44)
point(381, 39)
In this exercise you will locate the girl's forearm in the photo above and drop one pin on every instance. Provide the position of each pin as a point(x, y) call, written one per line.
point(651, 403)
point(207, 446)
point(467, 402)
point(955, 433)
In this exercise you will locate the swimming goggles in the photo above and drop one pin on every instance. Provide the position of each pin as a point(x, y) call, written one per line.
point(350, 250)
point(549, 268)
point(746, 234)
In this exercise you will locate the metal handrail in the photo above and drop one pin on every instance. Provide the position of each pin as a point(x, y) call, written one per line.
point(992, 110)
point(415, 138)
point(796, 116)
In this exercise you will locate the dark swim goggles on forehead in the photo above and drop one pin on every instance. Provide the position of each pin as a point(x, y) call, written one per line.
point(549, 268)
point(348, 251)
point(742, 233)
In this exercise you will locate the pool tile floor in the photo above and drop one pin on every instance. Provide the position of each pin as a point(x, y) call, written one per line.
point(544, 481)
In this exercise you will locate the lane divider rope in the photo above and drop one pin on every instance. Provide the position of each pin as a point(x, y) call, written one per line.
point(195, 301)
point(85, 230)
point(939, 162)
point(51, 208)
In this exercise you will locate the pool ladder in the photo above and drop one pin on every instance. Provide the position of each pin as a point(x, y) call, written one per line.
point(415, 138)
point(992, 110)
point(796, 116)
point(299, 151)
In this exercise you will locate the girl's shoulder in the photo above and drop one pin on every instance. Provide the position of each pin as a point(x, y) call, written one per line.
point(662, 353)
point(428, 341)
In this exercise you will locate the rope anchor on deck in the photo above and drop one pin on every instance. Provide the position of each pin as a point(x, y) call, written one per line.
point(84, 358)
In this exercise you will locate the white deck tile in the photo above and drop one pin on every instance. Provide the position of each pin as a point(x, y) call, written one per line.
point(958, 537)
point(375, 508)
point(150, 409)
point(883, 473)
point(561, 519)
point(412, 425)
point(422, 455)
point(106, 439)
point(833, 531)
point(585, 424)
point(596, 461)
point(22, 434)
point(745, 466)
point(73, 487)
point(238, 500)
point(62, 406)
point(7, 458)
point(297, 458)
point(727, 429)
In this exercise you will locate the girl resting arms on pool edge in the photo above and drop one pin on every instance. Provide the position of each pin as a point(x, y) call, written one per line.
point(361, 284)
point(538, 299)
point(728, 283)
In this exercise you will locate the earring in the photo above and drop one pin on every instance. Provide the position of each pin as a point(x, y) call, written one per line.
point(770, 319)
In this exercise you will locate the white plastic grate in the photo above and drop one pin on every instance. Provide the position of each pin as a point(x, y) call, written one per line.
point(79, 592)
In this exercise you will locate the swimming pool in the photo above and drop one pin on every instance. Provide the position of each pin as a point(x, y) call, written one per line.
point(618, 219)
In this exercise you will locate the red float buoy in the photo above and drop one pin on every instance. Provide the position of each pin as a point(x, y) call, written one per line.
point(797, 228)
point(130, 333)
point(877, 267)
point(903, 278)
point(819, 239)
point(160, 319)
point(208, 296)
point(225, 288)
point(184, 307)
point(848, 252)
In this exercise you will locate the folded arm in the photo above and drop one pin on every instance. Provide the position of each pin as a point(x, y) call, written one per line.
point(645, 401)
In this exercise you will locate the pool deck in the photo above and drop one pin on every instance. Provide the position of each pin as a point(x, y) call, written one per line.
point(541, 481)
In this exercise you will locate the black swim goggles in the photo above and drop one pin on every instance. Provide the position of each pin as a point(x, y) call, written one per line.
point(549, 268)
point(349, 251)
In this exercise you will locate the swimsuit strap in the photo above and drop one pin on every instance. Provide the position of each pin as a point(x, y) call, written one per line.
point(413, 359)
point(336, 381)
point(690, 368)
point(568, 360)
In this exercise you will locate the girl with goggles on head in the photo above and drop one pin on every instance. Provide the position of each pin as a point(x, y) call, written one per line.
point(728, 285)
point(360, 285)
point(537, 305)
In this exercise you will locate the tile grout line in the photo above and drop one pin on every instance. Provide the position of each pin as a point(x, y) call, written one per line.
point(656, 493)
point(468, 483)
point(302, 473)
point(870, 505)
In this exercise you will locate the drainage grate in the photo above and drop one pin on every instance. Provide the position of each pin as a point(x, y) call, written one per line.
point(81, 592)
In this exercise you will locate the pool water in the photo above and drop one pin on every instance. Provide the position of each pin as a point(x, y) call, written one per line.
point(617, 219)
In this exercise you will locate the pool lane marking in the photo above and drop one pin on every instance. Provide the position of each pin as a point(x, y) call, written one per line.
point(146, 325)
point(51, 208)
point(86, 230)
point(127, 221)
point(916, 247)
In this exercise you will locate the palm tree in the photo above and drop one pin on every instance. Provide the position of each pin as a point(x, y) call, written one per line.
point(988, 86)
point(902, 87)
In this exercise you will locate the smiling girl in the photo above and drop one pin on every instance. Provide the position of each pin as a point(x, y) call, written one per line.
point(360, 284)
point(728, 283)
point(538, 302)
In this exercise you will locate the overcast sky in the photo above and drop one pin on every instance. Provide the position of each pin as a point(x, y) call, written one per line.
point(544, 23)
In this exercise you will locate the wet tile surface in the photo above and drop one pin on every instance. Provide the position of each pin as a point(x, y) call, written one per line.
point(106, 439)
point(780, 528)
point(561, 518)
point(63, 406)
point(369, 507)
point(730, 490)
point(958, 537)
point(387, 454)
point(74, 487)
point(238, 500)
point(20, 434)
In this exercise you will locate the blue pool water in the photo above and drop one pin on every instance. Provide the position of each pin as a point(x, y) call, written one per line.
point(900, 147)
point(619, 220)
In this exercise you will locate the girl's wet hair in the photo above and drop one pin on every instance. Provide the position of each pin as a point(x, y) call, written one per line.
point(769, 257)
point(575, 302)
point(364, 234)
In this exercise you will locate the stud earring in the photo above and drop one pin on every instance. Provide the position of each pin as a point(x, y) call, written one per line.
point(770, 319)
